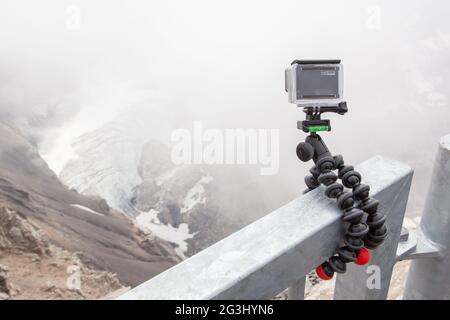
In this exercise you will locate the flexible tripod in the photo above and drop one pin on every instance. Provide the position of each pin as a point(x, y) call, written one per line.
point(362, 233)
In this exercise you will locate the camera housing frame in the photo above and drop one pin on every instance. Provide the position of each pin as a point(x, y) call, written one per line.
point(313, 83)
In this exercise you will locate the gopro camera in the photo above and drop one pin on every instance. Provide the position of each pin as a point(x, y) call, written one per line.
point(312, 83)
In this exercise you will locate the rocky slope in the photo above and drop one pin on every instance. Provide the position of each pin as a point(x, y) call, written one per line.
point(33, 268)
point(105, 238)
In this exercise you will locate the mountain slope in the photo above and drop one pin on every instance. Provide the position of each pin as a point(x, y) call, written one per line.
point(33, 268)
point(106, 239)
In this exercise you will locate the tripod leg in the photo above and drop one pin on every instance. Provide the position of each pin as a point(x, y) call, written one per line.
point(311, 180)
point(356, 230)
point(358, 234)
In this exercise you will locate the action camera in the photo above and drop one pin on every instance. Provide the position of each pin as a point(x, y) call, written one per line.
point(315, 82)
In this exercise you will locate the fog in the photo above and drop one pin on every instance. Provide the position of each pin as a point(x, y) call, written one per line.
point(223, 63)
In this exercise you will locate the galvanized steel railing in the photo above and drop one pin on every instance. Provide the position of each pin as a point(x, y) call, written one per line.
point(277, 251)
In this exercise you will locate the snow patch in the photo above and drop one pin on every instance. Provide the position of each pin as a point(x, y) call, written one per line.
point(79, 206)
point(196, 194)
point(149, 223)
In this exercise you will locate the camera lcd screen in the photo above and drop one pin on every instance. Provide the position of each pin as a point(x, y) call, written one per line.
point(317, 82)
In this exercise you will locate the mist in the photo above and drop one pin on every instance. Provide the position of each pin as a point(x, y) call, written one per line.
point(67, 67)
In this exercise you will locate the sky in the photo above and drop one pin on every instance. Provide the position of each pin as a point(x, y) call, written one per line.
point(71, 66)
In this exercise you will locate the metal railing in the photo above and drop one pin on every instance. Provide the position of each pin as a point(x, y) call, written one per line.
point(277, 251)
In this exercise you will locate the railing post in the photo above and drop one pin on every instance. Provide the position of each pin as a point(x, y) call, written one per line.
point(372, 282)
point(430, 278)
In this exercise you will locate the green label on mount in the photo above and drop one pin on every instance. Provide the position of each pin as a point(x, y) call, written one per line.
point(318, 128)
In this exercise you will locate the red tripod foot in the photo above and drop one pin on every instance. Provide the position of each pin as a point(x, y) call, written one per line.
point(322, 274)
point(363, 257)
